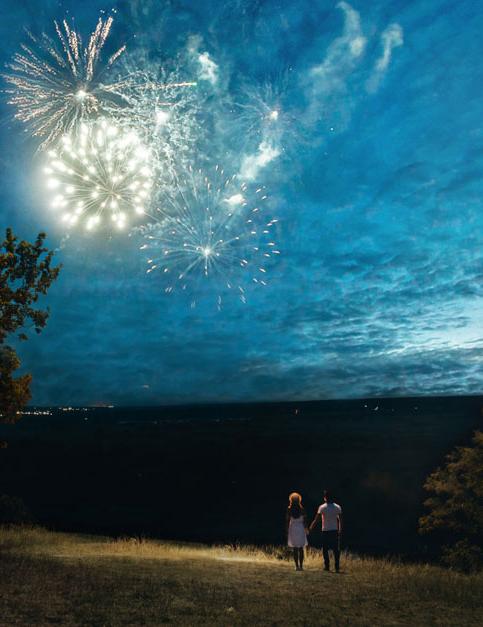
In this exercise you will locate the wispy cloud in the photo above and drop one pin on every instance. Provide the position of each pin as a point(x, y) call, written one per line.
point(392, 37)
point(328, 80)
point(344, 53)
point(252, 164)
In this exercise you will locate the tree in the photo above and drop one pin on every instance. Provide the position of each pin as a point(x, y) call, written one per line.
point(456, 505)
point(26, 273)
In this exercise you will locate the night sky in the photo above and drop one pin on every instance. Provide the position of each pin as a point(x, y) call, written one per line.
point(375, 174)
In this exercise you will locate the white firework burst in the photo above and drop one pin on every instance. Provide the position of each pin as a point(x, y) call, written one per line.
point(213, 229)
point(56, 83)
point(99, 175)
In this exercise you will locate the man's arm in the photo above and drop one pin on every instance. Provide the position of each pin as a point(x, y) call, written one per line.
point(314, 522)
point(339, 523)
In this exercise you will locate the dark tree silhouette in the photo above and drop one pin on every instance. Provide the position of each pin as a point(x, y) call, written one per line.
point(456, 505)
point(26, 272)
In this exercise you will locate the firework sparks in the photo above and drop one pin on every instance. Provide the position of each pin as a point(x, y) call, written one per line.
point(164, 109)
point(213, 228)
point(56, 83)
point(261, 111)
point(264, 114)
point(98, 173)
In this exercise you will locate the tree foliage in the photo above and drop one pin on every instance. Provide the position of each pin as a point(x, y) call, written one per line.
point(14, 392)
point(26, 273)
point(455, 503)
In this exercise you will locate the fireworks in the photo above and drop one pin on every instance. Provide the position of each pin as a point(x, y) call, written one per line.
point(212, 228)
point(163, 106)
point(109, 134)
point(260, 110)
point(55, 84)
point(100, 174)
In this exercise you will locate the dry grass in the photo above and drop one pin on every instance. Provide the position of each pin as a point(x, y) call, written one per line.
point(53, 578)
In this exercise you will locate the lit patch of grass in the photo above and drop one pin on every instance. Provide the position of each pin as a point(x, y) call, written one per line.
point(76, 579)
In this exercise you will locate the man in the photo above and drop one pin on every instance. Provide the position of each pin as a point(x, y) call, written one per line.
point(331, 516)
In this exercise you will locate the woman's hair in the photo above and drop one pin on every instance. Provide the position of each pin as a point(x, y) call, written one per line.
point(295, 507)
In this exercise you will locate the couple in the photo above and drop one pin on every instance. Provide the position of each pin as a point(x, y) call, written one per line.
point(330, 515)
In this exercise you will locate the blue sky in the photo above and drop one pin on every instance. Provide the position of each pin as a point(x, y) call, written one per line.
point(374, 171)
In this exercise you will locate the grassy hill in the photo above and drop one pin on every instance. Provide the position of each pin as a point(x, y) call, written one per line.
point(51, 578)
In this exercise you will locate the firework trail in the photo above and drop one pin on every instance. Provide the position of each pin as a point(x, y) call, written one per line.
point(99, 174)
point(56, 83)
point(211, 229)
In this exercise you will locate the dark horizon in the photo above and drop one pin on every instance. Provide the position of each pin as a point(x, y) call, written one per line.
point(269, 402)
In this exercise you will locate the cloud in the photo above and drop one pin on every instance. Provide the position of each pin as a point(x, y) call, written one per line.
point(343, 54)
point(327, 80)
point(392, 37)
point(252, 164)
point(368, 351)
point(208, 68)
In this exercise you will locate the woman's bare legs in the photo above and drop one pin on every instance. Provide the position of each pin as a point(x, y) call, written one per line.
point(298, 557)
point(301, 557)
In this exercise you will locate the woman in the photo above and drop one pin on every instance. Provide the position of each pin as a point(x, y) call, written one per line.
point(296, 529)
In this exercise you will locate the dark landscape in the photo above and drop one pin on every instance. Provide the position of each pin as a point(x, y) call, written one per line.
point(222, 473)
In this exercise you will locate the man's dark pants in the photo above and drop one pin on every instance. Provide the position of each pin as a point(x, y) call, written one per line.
point(330, 542)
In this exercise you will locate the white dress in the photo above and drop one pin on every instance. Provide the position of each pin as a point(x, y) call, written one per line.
point(297, 538)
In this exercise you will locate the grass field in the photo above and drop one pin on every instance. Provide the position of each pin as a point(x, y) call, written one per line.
point(56, 578)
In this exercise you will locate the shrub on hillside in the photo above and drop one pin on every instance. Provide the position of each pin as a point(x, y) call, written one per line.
point(463, 556)
point(456, 506)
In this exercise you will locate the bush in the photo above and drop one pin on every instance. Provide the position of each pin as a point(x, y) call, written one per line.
point(463, 556)
point(455, 506)
point(13, 510)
